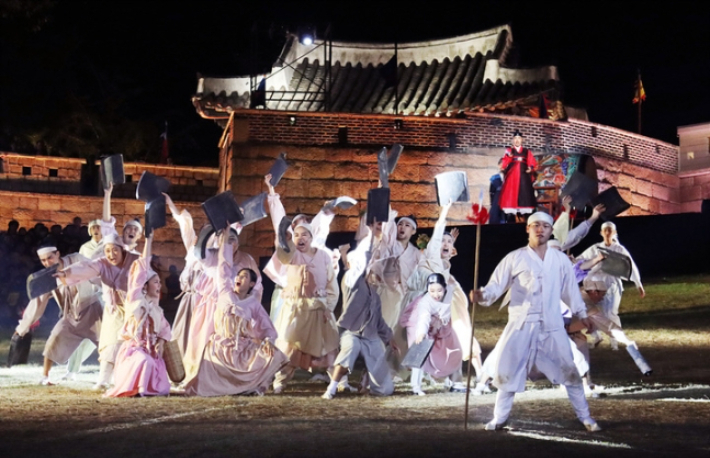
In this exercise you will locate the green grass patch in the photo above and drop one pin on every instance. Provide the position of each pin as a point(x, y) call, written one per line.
point(662, 294)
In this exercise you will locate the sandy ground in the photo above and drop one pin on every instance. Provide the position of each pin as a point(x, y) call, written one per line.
point(667, 414)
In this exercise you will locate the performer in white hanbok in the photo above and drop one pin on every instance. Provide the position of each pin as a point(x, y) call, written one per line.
point(80, 310)
point(534, 342)
point(92, 249)
point(612, 299)
point(320, 224)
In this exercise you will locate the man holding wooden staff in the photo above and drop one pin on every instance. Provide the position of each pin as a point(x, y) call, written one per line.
point(534, 342)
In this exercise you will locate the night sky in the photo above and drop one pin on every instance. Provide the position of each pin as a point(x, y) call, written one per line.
point(139, 62)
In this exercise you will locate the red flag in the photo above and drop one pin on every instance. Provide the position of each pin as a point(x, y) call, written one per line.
point(640, 94)
point(164, 152)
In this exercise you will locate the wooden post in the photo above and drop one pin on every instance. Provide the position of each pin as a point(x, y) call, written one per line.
point(473, 313)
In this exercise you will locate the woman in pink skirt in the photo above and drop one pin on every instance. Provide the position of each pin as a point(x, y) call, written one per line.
point(140, 369)
point(430, 317)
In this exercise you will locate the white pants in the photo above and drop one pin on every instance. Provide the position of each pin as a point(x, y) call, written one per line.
point(575, 393)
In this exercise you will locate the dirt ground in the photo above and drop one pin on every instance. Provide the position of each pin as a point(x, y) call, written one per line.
point(666, 414)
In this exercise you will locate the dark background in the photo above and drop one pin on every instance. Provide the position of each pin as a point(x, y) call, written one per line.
point(90, 77)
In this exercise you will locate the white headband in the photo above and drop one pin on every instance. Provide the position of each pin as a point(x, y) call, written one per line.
point(609, 224)
point(306, 226)
point(114, 239)
point(46, 250)
point(409, 220)
point(133, 222)
point(94, 222)
point(540, 217)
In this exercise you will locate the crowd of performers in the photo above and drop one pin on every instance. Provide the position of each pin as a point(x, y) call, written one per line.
point(394, 295)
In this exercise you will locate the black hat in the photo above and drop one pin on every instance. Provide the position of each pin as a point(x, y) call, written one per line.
point(517, 133)
point(253, 209)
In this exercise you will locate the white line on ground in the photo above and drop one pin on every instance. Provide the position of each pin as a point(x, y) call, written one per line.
point(152, 421)
point(548, 437)
point(683, 400)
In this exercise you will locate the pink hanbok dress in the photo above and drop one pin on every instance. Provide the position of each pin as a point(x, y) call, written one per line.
point(240, 357)
point(432, 318)
point(139, 368)
point(201, 326)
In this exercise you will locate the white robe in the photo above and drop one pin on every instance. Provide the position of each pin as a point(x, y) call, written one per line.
point(612, 299)
point(534, 341)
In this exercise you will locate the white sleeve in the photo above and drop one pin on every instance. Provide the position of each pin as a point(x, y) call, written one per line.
point(500, 281)
point(576, 235)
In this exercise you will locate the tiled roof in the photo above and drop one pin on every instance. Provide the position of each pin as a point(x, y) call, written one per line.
point(447, 77)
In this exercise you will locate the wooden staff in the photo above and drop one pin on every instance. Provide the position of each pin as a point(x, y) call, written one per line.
point(473, 310)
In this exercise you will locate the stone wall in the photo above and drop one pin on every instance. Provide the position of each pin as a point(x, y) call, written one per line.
point(61, 175)
point(475, 131)
point(694, 188)
point(324, 166)
point(31, 208)
point(649, 192)
point(56, 175)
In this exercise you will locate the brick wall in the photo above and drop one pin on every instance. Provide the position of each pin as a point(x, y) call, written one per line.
point(323, 168)
point(475, 131)
point(31, 208)
point(56, 175)
point(694, 188)
point(60, 175)
point(193, 184)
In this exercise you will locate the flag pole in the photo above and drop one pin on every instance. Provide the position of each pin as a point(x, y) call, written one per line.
point(638, 88)
point(473, 312)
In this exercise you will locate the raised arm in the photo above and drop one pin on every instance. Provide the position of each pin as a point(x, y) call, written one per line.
point(138, 276)
point(580, 232)
point(184, 220)
point(225, 280)
point(276, 208)
point(433, 249)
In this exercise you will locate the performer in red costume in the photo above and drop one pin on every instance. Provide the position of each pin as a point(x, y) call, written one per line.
point(518, 166)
